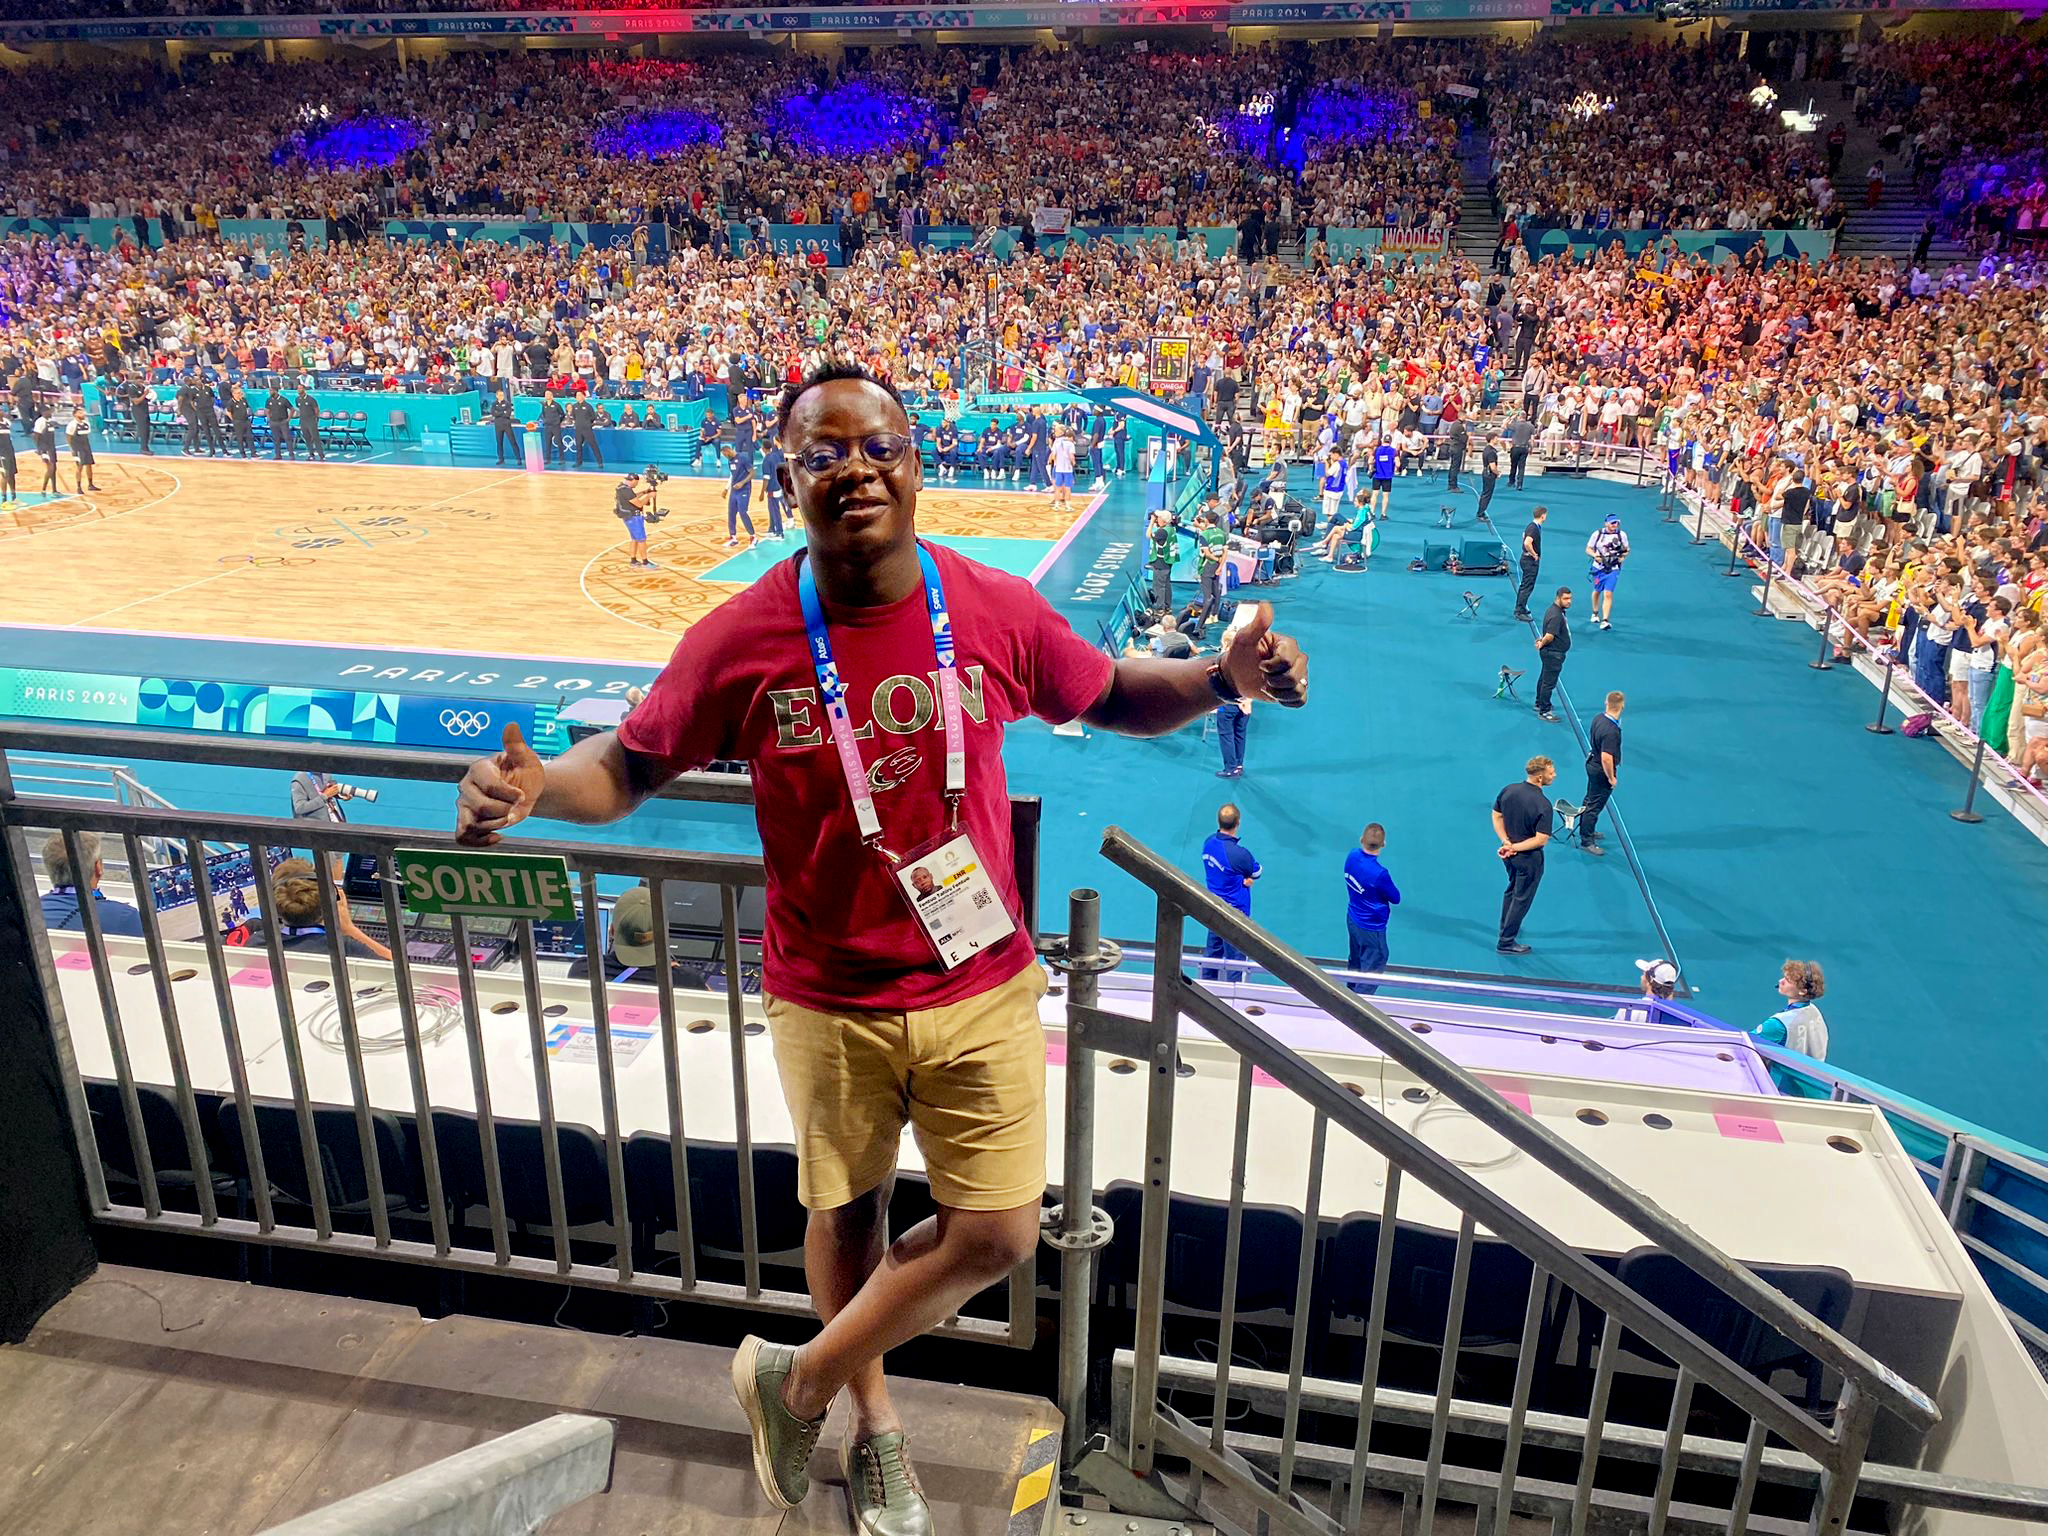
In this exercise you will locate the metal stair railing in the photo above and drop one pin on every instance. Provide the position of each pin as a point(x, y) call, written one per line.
point(1127, 1468)
point(100, 781)
point(413, 1215)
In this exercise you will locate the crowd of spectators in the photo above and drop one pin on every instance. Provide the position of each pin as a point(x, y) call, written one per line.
point(1642, 135)
point(66, 10)
point(1122, 136)
point(1349, 133)
point(1965, 114)
point(1884, 433)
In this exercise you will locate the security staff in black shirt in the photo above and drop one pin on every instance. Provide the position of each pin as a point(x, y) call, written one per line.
point(1552, 644)
point(279, 411)
point(240, 428)
point(1532, 558)
point(1456, 440)
point(583, 421)
point(1603, 770)
point(1521, 433)
point(139, 401)
point(309, 423)
point(551, 418)
point(188, 413)
point(1489, 471)
point(504, 429)
point(209, 420)
point(1521, 825)
point(8, 465)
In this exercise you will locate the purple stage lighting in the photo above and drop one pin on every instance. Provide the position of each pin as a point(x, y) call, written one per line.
point(350, 143)
point(852, 119)
point(1335, 116)
point(656, 133)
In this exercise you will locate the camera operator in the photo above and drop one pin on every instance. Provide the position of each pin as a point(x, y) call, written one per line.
point(1162, 538)
point(316, 797)
point(631, 498)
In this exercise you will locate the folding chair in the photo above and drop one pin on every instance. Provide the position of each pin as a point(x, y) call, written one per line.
point(1471, 608)
point(1446, 517)
point(1567, 819)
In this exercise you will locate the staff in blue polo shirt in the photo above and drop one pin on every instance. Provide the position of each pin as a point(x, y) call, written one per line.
point(1383, 465)
point(1229, 869)
point(1369, 898)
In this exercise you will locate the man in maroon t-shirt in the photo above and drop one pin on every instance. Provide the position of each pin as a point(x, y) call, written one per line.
point(867, 683)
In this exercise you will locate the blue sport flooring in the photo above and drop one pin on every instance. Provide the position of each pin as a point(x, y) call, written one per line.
point(1769, 823)
point(1019, 557)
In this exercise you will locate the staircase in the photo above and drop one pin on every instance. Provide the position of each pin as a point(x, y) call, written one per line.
point(1892, 228)
point(1478, 231)
point(148, 1401)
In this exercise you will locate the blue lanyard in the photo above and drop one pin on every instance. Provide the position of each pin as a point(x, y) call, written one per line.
point(832, 689)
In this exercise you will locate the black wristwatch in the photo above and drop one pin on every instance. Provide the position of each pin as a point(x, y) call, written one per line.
point(1221, 685)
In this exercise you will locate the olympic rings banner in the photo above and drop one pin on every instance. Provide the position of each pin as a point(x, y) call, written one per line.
point(255, 709)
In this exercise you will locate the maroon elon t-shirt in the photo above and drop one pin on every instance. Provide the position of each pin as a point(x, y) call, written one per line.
point(741, 686)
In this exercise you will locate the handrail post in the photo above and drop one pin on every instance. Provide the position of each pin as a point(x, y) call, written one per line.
point(1076, 1227)
point(1167, 990)
point(1855, 1417)
point(1969, 813)
point(1877, 727)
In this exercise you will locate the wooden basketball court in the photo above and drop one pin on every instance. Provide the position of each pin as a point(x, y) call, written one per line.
point(492, 561)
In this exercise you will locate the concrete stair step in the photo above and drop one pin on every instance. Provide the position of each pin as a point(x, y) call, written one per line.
point(261, 1404)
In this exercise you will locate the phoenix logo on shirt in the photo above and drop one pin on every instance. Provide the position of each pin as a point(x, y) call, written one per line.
point(894, 769)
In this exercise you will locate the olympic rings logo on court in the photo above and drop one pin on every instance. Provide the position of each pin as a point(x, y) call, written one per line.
point(462, 722)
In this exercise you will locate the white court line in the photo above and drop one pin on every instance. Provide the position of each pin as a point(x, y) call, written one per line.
point(177, 485)
point(583, 585)
point(1066, 539)
point(216, 575)
point(156, 596)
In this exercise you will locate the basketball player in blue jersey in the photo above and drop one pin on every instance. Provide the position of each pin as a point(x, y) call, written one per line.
point(1019, 447)
point(739, 492)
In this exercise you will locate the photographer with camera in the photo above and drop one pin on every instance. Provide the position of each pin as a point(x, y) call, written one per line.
point(632, 498)
point(1606, 549)
point(316, 797)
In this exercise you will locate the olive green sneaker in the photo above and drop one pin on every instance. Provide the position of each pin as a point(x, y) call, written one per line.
point(882, 1489)
point(782, 1441)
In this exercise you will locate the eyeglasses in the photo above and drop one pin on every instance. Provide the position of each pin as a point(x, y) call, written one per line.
point(829, 455)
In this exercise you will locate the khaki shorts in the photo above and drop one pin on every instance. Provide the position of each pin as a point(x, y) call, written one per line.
point(968, 1078)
